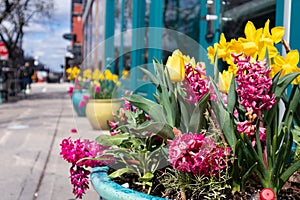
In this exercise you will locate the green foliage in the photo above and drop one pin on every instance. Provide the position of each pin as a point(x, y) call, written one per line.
point(170, 109)
point(135, 150)
point(296, 139)
point(195, 186)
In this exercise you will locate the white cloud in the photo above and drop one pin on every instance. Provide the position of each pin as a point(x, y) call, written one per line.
point(44, 39)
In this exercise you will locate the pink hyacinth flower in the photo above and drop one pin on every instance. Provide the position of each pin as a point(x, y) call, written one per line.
point(97, 88)
point(73, 130)
point(85, 97)
point(81, 104)
point(196, 154)
point(70, 90)
point(113, 125)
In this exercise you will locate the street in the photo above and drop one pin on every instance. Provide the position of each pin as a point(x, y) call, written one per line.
point(31, 130)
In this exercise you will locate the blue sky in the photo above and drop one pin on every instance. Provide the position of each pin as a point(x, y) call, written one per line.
point(43, 39)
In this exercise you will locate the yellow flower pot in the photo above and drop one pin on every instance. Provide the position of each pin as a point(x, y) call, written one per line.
point(99, 111)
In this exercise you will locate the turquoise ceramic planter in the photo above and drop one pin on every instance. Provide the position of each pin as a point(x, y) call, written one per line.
point(76, 98)
point(110, 190)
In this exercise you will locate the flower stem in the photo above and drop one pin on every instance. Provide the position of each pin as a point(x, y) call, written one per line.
point(182, 193)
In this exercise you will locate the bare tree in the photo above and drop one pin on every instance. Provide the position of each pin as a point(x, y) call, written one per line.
point(5, 9)
point(15, 15)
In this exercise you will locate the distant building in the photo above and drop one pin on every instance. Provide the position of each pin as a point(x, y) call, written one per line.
point(76, 30)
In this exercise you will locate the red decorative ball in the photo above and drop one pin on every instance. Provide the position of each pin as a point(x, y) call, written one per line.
point(267, 194)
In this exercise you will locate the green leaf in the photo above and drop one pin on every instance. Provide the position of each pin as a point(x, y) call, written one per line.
point(275, 81)
point(258, 143)
point(220, 100)
point(280, 154)
point(146, 177)
point(284, 82)
point(247, 175)
point(108, 140)
point(250, 152)
point(226, 123)
point(289, 172)
point(269, 146)
point(155, 110)
point(197, 118)
point(292, 106)
point(232, 96)
point(162, 129)
point(216, 69)
point(119, 172)
point(150, 75)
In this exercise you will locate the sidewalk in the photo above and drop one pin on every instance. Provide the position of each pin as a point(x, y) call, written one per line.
point(31, 132)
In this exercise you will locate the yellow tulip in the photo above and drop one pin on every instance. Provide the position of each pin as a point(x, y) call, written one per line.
point(224, 81)
point(175, 64)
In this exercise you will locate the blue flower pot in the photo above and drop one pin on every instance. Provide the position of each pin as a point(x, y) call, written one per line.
point(110, 190)
point(76, 98)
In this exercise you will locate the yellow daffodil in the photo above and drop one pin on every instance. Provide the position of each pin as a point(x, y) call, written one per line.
point(115, 78)
point(69, 70)
point(224, 81)
point(286, 65)
point(211, 52)
point(222, 48)
point(96, 74)
point(175, 64)
point(108, 75)
point(277, 34)
point(101, 77)
point(232, 68)
point(251, 42)
point(87, 73)
point(73, 72)
point(267, 41)
point(125, 74)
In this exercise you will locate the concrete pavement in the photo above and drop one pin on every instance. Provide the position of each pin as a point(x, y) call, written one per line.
point(31, 130)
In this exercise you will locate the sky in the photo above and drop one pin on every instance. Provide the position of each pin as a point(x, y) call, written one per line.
point(43, 38)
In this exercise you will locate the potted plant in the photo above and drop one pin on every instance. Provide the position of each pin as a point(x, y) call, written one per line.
point(205, 138)
point(78, 91)
point(103, 99)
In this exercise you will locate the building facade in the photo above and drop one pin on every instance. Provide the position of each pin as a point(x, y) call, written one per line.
point(125, 34)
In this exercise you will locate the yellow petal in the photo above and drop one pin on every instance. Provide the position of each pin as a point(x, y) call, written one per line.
point(279, 60)
point(224, 81)
point(175, 64)
point(250, 48)
point(292, 57)
point(266, 29)
point(274, 70)
point(277, 33)
point(211, 54)
point(235, 46)
point(250, 31)
point(222, 39)
point(272, 52)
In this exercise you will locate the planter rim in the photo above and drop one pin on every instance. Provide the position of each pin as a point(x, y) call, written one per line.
point(105, 100)
point(110, 190)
